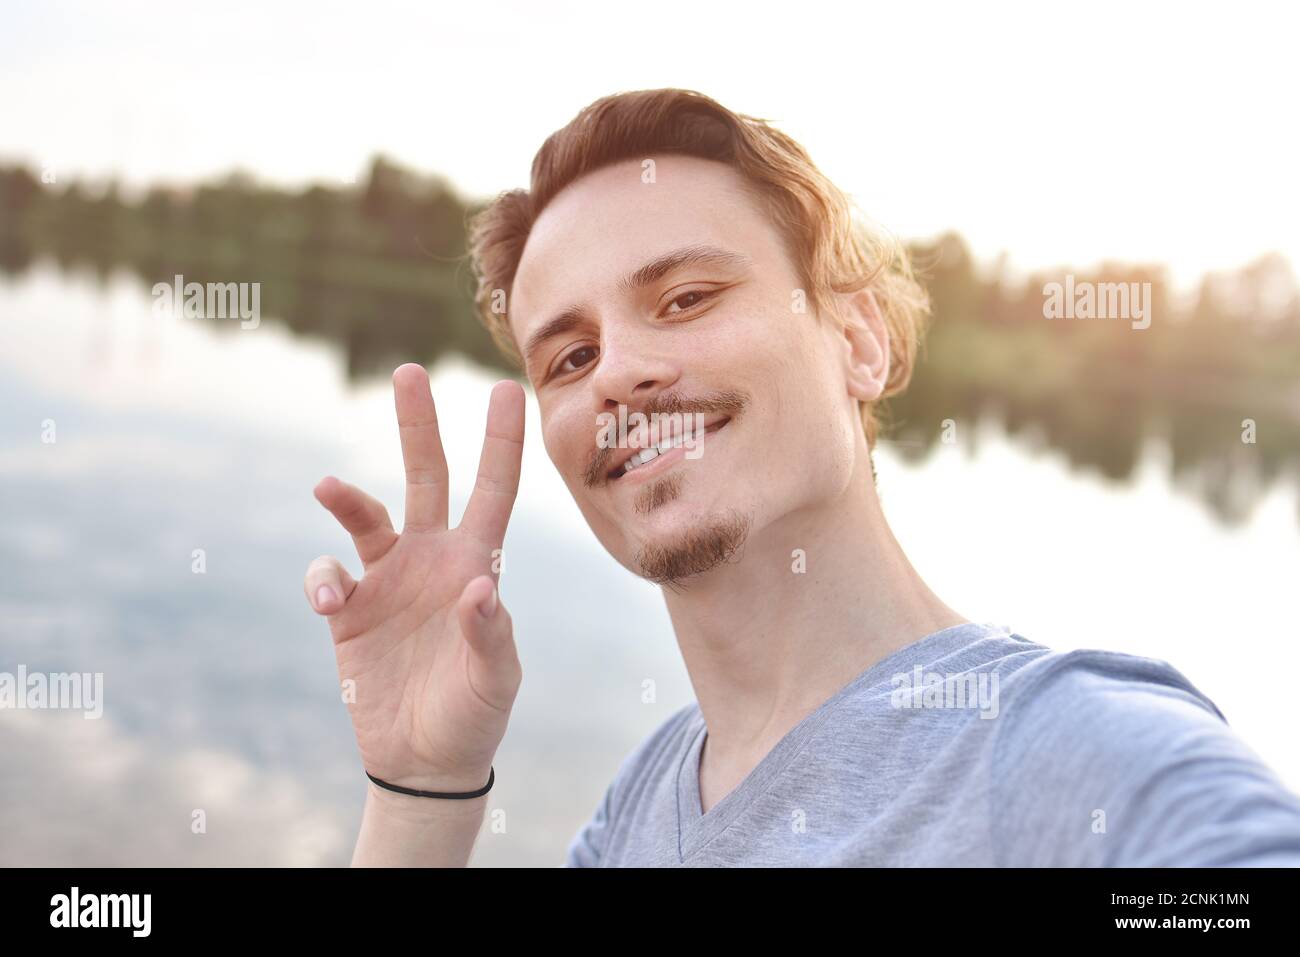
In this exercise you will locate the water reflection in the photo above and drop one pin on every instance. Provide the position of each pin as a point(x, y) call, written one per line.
point(378, 270)
point(221, 692)
point(1052, 513)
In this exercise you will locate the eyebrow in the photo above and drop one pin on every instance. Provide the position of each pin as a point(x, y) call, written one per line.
point(646, 275)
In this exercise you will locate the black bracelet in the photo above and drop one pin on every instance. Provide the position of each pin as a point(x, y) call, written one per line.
point(449, 795)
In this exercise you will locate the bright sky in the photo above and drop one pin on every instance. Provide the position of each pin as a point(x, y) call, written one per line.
point(1062, 136)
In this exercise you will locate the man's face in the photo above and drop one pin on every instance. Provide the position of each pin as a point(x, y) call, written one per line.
point(727, 339)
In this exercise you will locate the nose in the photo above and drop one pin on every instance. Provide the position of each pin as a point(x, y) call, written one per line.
point(631, 370)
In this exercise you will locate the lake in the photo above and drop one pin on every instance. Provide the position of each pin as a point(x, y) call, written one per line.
point(161, 538)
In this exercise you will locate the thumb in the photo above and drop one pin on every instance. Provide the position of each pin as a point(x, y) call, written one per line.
point(489, 632)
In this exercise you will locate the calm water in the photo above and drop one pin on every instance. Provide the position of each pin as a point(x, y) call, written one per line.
point(220, 688)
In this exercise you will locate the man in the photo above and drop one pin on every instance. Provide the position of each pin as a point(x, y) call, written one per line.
point(684, 268)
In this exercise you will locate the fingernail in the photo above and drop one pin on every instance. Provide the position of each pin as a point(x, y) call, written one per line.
point(488, 606)
point(324, 595)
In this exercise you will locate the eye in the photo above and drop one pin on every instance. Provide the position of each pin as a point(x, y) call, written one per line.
point(563, 365)
point(701, 295)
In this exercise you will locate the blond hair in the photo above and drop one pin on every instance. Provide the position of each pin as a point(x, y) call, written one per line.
point(832, 251)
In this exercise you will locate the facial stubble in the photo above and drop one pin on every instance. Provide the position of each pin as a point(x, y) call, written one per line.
point(701, 548)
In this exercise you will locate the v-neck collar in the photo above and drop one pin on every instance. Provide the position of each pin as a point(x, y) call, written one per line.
point(695, 828)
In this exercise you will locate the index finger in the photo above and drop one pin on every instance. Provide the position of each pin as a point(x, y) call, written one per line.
point(426, 464)
point(488, 511)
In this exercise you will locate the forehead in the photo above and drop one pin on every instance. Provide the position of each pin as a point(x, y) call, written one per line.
point(605, 225)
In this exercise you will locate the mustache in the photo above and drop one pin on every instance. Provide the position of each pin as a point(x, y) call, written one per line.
point(727, 402)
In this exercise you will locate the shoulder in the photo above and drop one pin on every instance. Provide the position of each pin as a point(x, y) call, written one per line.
point(1071, 689)
point(1118, 759)
point(1104, 712)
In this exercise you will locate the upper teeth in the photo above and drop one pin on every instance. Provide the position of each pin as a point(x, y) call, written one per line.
point(645, 455)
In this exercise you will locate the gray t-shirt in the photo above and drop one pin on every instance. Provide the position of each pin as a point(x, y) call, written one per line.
point(970, 747)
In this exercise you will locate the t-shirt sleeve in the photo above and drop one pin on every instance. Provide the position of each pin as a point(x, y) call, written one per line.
point(1114, 760)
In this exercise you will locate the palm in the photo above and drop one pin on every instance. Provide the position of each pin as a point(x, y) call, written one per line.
point(424, 701)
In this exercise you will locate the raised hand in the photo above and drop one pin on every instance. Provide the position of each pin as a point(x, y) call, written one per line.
point(423, 635)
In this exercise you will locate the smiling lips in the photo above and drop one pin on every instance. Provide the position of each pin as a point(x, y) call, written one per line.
point(629, 460)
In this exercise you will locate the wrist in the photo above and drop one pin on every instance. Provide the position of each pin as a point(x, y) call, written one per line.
point(446, 787)
point(388, 800)
point(389, 806)
point(399, 830)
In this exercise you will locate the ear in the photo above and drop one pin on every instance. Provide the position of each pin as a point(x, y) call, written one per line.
point(866, 346)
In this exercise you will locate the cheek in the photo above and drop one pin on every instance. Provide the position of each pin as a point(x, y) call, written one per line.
point(794, 345)
point(804, 395)
point(570, 435)
point(790, 365)
point(564, 436)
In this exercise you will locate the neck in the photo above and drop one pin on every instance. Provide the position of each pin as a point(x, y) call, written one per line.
point(765, 645)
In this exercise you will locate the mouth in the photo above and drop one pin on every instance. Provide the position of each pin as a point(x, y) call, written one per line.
point(634, 465)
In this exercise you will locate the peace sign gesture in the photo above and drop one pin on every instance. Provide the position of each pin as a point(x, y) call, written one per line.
point(422, 637)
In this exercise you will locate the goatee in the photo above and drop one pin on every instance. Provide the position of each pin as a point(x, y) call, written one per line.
point(699, 550)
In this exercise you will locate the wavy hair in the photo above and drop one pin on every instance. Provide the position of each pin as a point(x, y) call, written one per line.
point(833, 251)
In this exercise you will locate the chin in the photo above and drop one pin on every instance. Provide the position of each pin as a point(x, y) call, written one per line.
point(679, 547)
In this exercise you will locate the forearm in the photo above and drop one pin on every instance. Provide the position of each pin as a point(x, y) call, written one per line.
point(399, 830)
